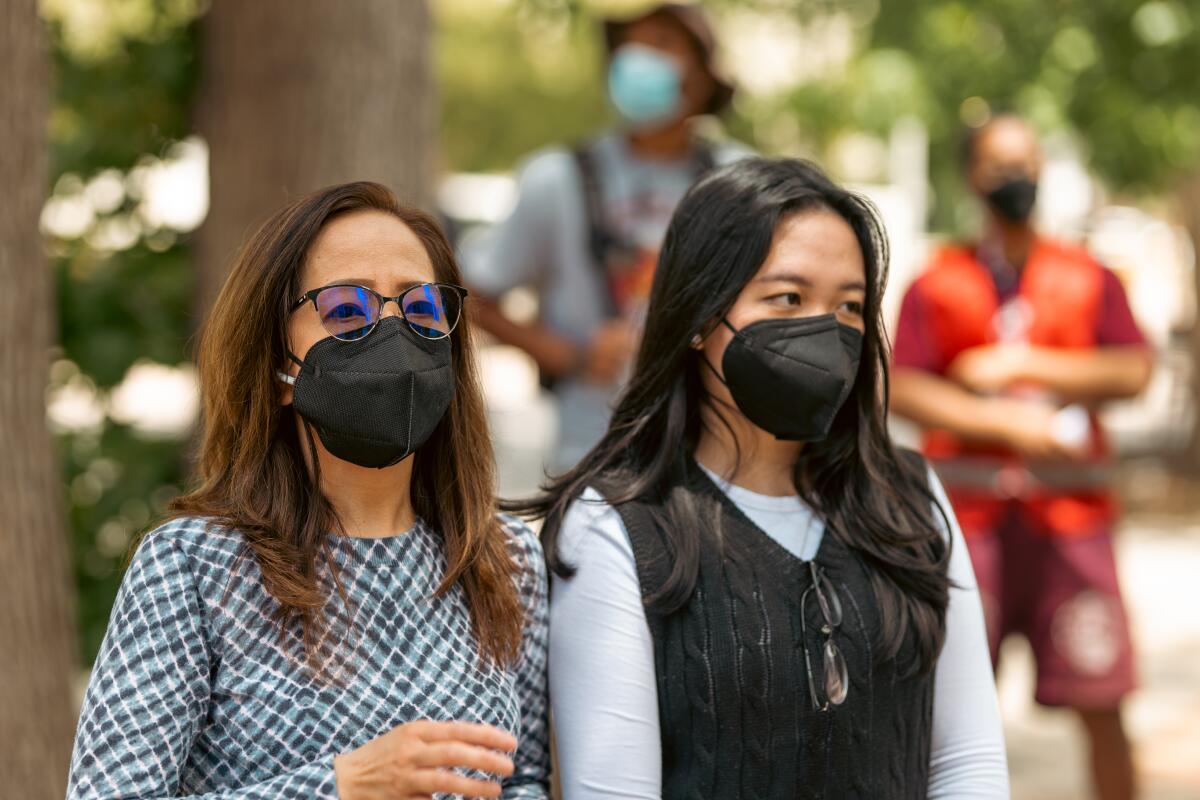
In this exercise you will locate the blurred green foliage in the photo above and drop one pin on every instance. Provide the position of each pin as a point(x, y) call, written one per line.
point(1120, 74)
point(124, 78)
point(1117, 75)
point(512, 80)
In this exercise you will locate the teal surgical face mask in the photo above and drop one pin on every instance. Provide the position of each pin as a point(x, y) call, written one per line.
point(645, 85)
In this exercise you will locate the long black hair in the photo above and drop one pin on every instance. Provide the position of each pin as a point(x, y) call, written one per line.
point(871, 497)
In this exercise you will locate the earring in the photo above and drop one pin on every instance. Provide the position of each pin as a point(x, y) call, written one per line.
point(697, 341)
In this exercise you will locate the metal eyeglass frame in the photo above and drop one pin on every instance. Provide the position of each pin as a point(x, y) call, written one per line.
point(383, 299)
point(827, 629)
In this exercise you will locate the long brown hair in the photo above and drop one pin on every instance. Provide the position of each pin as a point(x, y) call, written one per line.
point(252, 472)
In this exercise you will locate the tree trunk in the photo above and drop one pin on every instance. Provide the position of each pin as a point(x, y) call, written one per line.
point(301, 94)
point(37, 636)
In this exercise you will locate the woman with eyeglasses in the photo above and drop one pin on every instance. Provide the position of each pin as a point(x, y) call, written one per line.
point(335, 610)
point(757, 595)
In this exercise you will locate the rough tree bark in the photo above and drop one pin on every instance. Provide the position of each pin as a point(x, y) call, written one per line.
point(300, 94)
point(37, 635)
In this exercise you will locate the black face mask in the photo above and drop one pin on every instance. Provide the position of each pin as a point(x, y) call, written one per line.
point(375, 400)
point(1013, 199)
point(791, 376)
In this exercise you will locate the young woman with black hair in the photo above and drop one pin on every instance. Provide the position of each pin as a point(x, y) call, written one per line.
point(758, 594)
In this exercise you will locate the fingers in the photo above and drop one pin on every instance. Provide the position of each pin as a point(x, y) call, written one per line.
point(434, 749)
point(433, 781)
point(457, 754)
point(466, 732)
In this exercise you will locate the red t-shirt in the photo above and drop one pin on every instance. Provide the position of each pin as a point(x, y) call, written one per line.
point(916, 346)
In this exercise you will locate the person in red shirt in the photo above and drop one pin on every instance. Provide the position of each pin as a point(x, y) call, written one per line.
point(1004, 350)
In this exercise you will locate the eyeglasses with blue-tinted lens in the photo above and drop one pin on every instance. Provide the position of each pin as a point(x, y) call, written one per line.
point(349, 312)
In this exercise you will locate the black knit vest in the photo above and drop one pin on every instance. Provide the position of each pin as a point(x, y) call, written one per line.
point(733, 703)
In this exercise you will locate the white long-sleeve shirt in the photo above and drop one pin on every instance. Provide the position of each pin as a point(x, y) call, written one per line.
point(603, 688)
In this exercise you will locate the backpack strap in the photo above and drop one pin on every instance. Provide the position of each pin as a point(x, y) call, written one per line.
point(602, 243)
point(600, 239)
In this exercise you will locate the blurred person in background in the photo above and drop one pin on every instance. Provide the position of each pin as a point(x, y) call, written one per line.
point(1005, 349)
point(336, 611)
point(756, 594)
point(589, 220)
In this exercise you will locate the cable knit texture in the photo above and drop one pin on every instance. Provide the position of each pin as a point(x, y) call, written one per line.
point(194, 692)
point(734, 709)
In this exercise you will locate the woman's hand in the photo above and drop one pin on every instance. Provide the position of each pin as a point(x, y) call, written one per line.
point(416, 760)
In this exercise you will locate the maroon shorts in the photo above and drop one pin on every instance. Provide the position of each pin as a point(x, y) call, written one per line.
point(1061, 593)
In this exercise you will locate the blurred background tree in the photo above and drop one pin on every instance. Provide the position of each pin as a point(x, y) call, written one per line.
point(514, 78)
point(300, 94)
point(36, 628)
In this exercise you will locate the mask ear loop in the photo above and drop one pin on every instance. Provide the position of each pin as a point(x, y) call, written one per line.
point(290, 380)
point(713, 369)
point(714, 403)
point(704, 358)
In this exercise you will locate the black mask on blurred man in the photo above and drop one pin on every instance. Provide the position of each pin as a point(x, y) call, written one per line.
point(1013, 199)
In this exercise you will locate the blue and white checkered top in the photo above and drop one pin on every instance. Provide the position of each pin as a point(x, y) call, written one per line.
point(195, 693)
